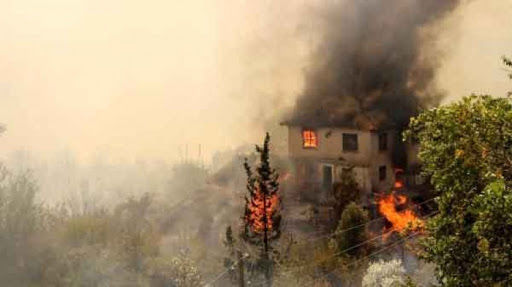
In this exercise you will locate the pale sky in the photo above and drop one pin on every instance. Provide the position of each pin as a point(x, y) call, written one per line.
point(141, 79)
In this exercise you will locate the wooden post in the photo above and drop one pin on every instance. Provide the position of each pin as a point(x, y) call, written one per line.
point(241, 278)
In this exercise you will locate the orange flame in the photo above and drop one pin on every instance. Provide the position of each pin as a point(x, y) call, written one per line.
point(310, 139)
point(256, 216)
point(400, 220)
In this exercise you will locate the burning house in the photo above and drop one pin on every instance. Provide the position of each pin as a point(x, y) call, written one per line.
point(322, 151)
point(371, 71)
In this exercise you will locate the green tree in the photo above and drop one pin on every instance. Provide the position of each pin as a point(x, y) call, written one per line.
point(466, 149)
point(345, 191)
point(351, 230)
point(21, 220)
point(137, 237)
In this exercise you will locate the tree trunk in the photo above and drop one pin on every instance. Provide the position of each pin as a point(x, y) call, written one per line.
point(241, 278)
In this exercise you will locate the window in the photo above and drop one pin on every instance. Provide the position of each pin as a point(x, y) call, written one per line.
point(382, 172)
point(350, 142)
point(383, 141)
point(309, 139)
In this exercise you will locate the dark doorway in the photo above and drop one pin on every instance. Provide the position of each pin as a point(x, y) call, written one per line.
point(327, 177)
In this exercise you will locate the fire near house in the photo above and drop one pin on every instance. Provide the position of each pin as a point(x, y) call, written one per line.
point(320, 152)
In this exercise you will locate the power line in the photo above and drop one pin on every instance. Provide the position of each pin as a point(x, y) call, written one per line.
point(385, 248)
point(336, 233)
point(377, 252)
point(365, 257)
point(347, 249)
point(225, 271)
point(357, 226)
point(355, 246)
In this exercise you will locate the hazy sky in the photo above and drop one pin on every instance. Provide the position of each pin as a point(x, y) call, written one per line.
point(140, 79)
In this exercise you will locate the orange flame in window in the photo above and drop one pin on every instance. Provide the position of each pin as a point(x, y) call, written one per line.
point(309, 138)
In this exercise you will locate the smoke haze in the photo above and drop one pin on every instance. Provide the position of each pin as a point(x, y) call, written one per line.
point(133, 117)
point(142, 80)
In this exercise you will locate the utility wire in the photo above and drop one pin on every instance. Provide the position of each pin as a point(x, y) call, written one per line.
point(376, 252)
point(356, 226)
point(210, 283)
point(354, 246)
point(370, 255)
point(330, 235)
point(385, 248)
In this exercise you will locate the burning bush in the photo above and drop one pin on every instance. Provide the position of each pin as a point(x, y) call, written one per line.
point(396, 210)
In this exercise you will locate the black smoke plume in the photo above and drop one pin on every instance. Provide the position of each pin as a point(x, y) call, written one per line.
point(371, 65)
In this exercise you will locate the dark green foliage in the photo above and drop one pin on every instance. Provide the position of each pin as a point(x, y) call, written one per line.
point(229, 242)
point(466, 149)
point(408, 282)
point(508, 63)
point(351, 230)
point(345, 191)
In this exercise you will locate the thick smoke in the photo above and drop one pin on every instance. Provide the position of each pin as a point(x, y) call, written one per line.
point(371, 63)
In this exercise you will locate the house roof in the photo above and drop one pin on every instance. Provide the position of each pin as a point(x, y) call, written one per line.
point(360, 122)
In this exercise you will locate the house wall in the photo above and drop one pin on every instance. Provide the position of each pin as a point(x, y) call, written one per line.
point(330, 145)
point(412, 154)
point(367, 159)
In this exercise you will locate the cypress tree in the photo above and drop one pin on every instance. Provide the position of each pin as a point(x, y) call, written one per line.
point(262, 218)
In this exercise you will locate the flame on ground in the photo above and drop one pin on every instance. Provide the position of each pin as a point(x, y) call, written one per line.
point(256, 215)
point(400, 220)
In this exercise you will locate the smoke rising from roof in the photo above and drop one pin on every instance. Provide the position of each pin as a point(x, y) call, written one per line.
point(371, 64)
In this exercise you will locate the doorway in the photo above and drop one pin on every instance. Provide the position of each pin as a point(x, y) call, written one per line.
point(327, 177)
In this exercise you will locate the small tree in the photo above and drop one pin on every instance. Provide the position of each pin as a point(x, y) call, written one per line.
point(262, 216)
point(345, 191)
point(230, 260)
point(466, 149)
point(138, 238)
point(351, 230)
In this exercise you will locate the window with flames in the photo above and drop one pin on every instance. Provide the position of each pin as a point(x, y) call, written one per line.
point(309, 139)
